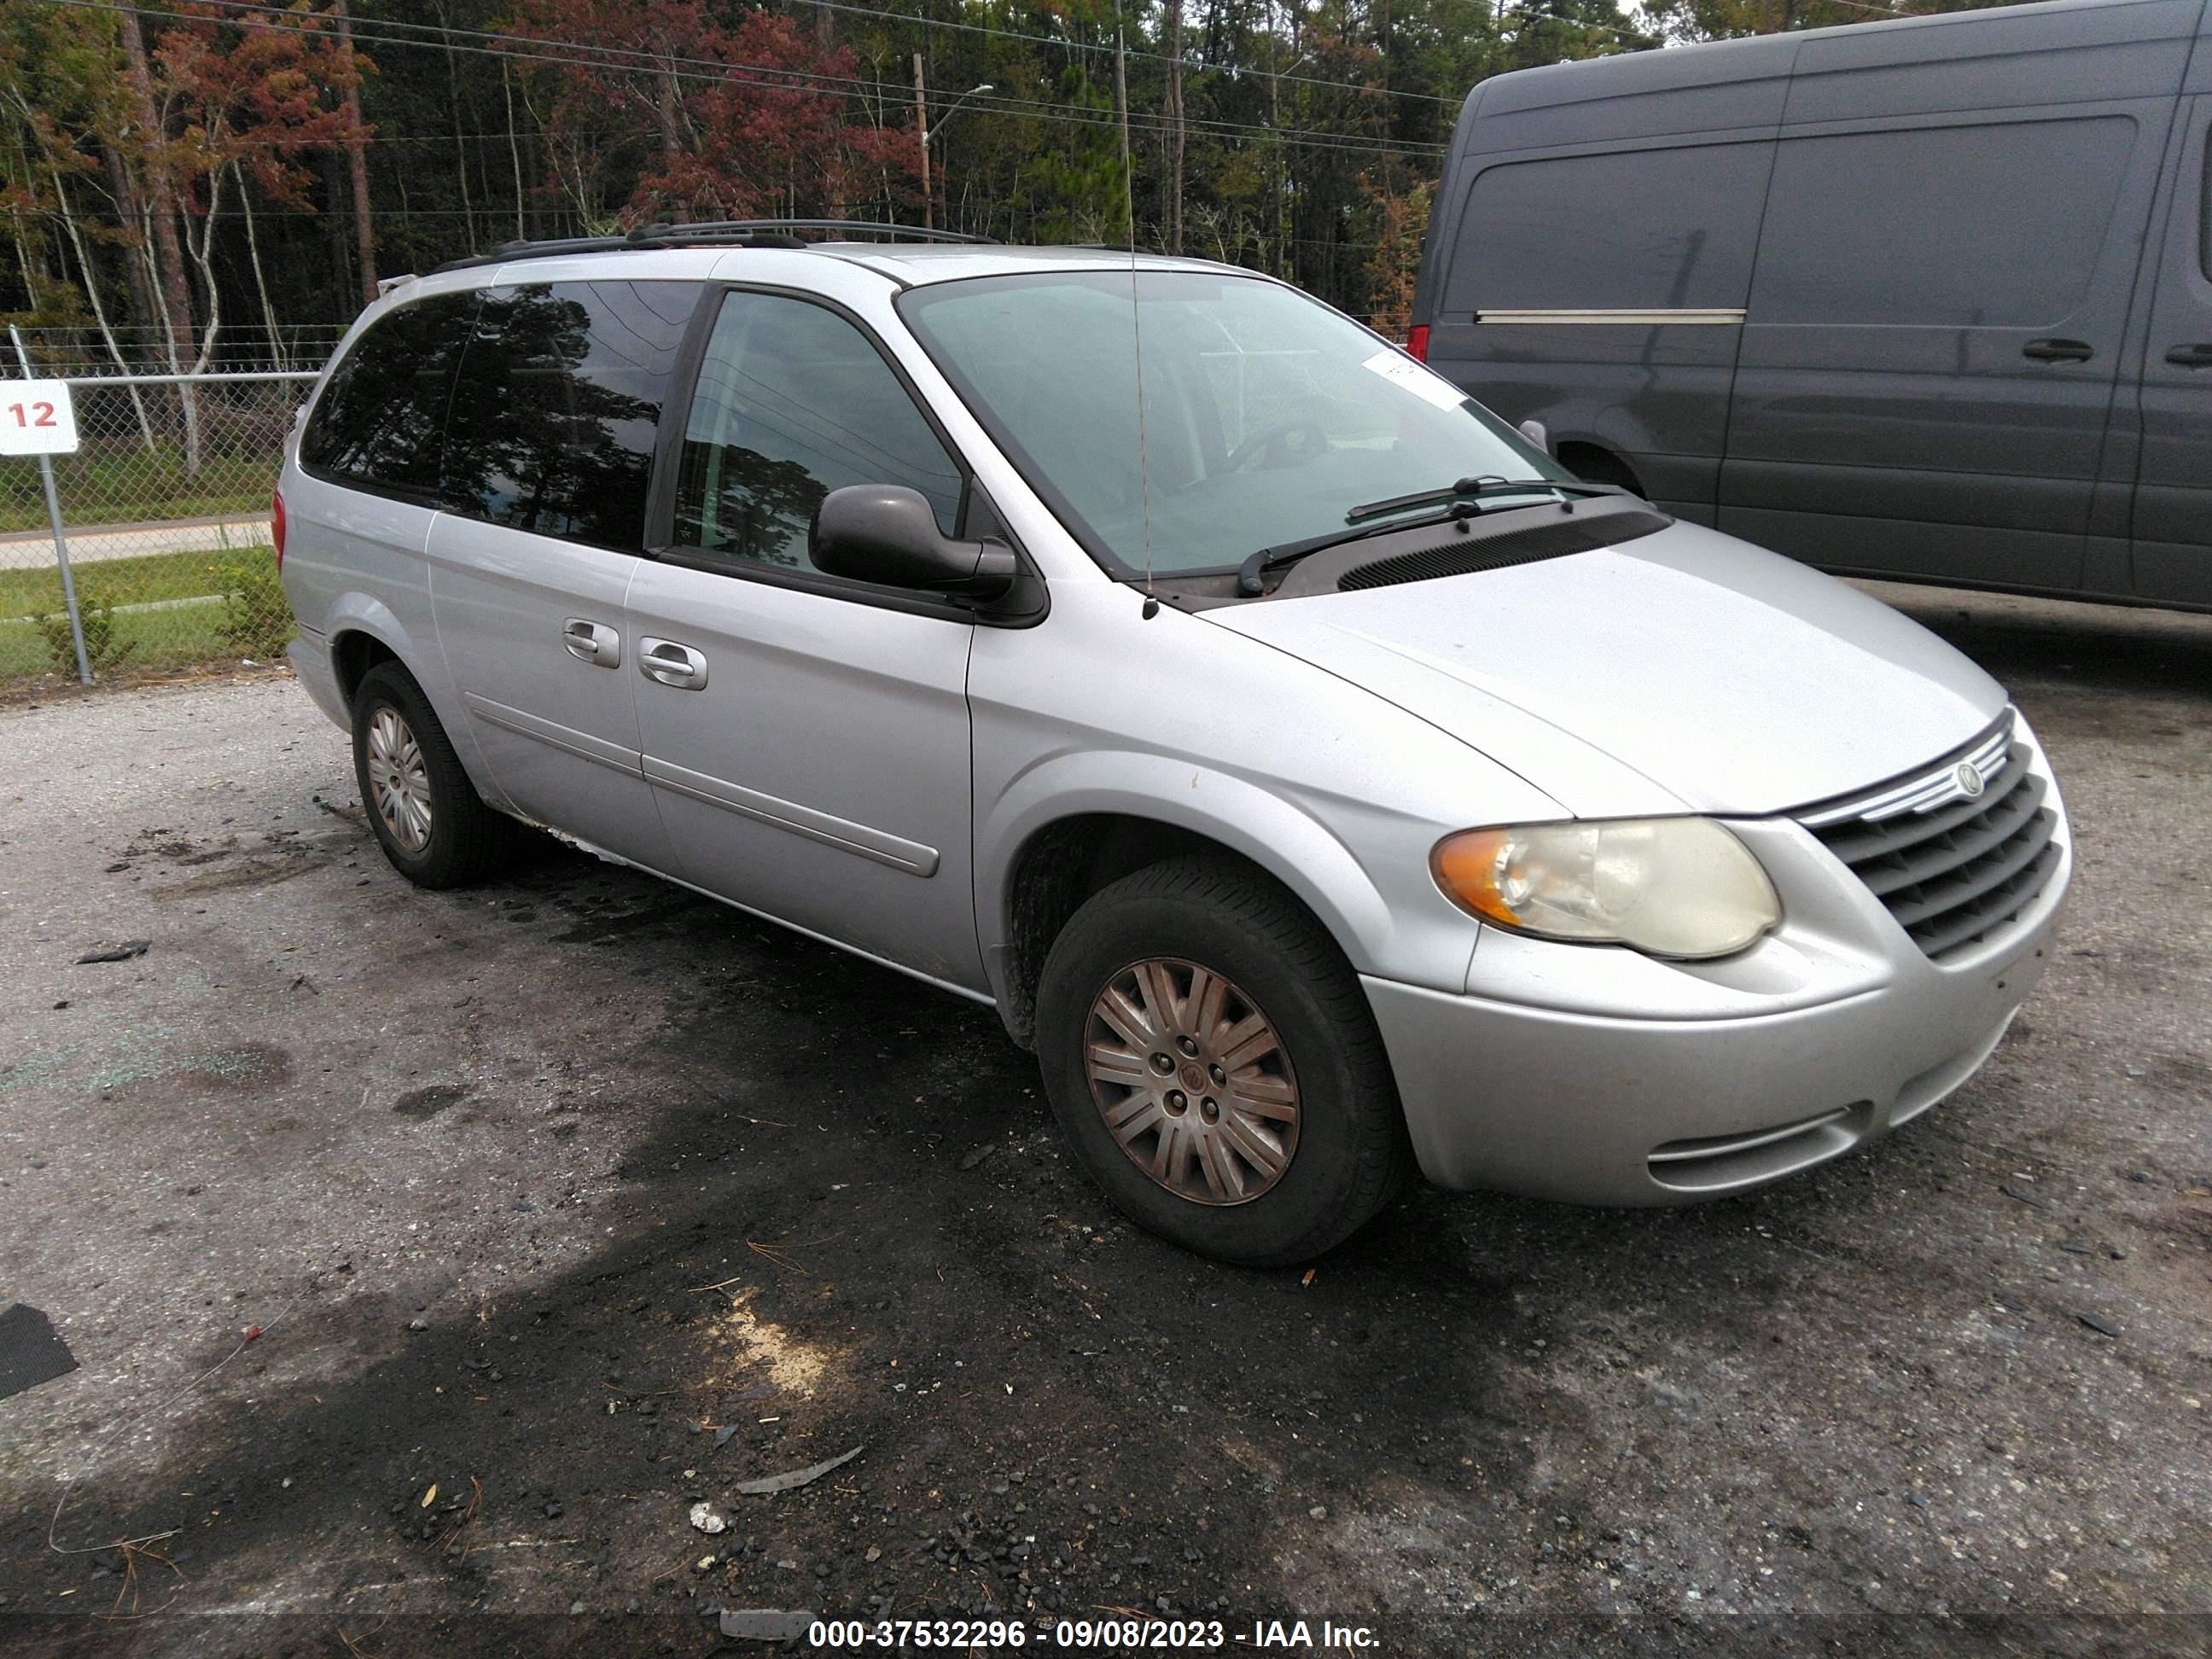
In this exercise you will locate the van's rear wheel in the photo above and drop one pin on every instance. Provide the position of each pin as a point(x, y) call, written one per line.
point(1210, 1054)
point(426, 814)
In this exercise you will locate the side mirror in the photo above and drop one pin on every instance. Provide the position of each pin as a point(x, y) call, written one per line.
point(888, 533)
point(1535, 432)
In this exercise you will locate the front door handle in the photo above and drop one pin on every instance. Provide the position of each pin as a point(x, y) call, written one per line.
point(593, 642)
point(2058, 352)
point(2191, 356)
point(672, 664)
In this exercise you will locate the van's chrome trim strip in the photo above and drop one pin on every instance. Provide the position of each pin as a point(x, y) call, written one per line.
point(582, 744)
point(841, 833)
point(1937, 786)
point(1643, 319)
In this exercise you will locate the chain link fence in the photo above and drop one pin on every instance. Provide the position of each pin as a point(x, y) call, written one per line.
point(165, 510)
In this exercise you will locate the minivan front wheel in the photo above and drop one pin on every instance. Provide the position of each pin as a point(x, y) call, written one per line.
point(426, 814)
point(1211, 1056)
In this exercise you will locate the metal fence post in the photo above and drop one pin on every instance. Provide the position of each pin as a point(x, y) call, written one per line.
point(61, 542)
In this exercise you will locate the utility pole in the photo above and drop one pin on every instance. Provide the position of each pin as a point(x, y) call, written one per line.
point(921, 141)
point(1122, 115)
point(358, 164)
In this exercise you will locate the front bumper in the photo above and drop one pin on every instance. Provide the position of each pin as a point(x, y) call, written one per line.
point(1670, 1084)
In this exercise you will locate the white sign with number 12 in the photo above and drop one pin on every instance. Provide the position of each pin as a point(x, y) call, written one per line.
point(37, 418)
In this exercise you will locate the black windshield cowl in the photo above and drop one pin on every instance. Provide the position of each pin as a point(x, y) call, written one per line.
point(1251, 575)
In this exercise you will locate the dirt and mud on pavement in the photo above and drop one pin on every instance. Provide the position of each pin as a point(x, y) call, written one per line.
point(570, 1203)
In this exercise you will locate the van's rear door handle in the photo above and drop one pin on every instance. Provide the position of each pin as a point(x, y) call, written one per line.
point(2191, 356)
point(2058, 352)
point(672, 664)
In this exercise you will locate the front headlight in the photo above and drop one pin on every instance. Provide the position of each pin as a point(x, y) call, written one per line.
point(1669, 887)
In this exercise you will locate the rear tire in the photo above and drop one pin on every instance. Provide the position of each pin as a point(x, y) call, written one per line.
point(426, 814)
point(1211, 1055)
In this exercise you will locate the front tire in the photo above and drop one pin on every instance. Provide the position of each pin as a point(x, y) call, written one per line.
point(1210, 1055)
point(426, 814)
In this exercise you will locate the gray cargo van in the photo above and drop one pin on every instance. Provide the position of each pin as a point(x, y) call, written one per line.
point(1928, 298)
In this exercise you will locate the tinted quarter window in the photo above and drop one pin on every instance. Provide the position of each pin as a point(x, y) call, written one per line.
point(1995, 226)
point(793, 402)
point(1657, 230)
point(556, 403)
point(378, 421)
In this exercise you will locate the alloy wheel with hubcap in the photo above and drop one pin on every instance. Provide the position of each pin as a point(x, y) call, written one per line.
point(399, 779)
point(1193, 1080)
point(426, 813)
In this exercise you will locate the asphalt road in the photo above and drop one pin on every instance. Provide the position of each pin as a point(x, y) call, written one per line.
point(536, 1190)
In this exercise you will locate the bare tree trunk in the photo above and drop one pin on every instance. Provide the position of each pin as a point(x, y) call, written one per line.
point(825, 27)
point(515, 150)
point(460, 142)
point(130, 211)
point(203, 257)
point(100, 307)
point(161, 193)
point(276, 359)
point(358, 164)
point(171, 292)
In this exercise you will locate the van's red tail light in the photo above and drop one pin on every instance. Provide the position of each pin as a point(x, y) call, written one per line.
point(1416, 341)
point(276, 524)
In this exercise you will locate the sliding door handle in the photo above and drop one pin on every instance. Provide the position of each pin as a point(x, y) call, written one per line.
point(672, 664)
point(2191, 356)
point(593, 642)
point(2058, 352)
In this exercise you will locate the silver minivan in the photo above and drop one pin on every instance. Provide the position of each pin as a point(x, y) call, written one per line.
point(1317, 776)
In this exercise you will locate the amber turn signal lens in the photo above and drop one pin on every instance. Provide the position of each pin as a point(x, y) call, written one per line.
point(1466, 866)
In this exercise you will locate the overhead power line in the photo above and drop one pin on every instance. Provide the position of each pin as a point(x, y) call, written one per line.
point(369, 32)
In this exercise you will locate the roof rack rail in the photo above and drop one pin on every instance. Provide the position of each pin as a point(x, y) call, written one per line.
point(734, 233)
point(656, 235)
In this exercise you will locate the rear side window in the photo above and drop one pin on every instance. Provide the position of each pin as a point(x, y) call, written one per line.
point(793, 402)
point(1991, 225)
point(377, 422)
point(557, 404)
point(1654, 229)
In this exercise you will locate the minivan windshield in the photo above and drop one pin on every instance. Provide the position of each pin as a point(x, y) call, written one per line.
point(1265, 416)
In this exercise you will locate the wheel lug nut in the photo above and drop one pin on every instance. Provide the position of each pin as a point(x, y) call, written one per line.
point(1208, 1109)
point(1178, 1102)
point(1188, 1045)
point(1219, 1076)
point(1163, 1064)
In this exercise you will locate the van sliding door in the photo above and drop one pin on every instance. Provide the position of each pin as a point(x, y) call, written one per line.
point(2171, 548)
point(1934, 336)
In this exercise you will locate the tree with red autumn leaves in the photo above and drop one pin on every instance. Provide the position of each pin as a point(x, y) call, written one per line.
point(735, 120)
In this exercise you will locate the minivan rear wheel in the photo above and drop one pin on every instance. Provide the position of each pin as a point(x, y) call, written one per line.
point(1209, 1053)
point(426, 815)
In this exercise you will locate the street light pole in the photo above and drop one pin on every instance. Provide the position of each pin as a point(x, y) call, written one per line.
point(929, 132)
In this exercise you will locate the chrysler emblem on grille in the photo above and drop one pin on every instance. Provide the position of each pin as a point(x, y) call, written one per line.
point(1970, 779)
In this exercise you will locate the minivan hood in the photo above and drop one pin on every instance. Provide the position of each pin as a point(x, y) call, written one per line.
point(1685, 670)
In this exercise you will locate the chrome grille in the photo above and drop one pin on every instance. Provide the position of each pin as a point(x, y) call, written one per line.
point(1953, 869)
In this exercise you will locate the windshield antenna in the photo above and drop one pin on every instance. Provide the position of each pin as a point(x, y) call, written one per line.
point(1137, 342)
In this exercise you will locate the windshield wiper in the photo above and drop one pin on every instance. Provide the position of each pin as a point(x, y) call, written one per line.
point(1476, 489)
point(1252, 574)
point(1458, 501)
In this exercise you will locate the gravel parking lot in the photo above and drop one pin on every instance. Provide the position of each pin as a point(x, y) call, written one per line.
point(581, 1200)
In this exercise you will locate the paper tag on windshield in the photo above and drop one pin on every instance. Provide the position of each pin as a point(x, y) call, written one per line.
point(1423, 383)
